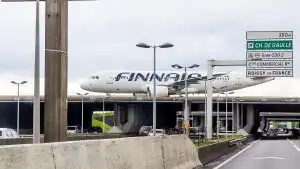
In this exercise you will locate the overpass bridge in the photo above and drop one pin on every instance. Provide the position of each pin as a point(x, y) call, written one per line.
point(245, 104)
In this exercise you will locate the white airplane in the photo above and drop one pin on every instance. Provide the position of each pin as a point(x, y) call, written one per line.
point(168, 82)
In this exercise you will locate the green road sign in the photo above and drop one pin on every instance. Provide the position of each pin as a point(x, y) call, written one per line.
point(270, 45)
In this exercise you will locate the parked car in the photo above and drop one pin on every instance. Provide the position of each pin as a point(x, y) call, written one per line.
point(73, 130)
point(172, 131)
point(144, 130)
point(159, 132)
point(271, 132)
point(8, 133)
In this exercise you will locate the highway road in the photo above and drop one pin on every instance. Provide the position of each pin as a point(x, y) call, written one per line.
point(266, 154)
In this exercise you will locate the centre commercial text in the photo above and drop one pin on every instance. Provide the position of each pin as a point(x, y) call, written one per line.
point(269, 63)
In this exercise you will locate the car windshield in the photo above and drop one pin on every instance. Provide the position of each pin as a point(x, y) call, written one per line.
point(71, 128)
point(145, 128)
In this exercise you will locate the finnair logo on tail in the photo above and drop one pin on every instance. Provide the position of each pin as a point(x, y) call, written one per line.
point(136, 76)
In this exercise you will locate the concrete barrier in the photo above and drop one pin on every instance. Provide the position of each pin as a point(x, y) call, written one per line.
point(164, 152)
point(12, 141)
point(179, 152)
point(214, 151)
point(26, 157)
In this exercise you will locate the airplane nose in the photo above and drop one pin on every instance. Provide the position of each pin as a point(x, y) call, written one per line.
point(83, 86)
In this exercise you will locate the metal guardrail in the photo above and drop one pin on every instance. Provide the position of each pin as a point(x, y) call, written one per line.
point(237, 142)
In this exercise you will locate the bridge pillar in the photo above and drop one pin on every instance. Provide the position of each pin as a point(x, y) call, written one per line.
point(238, 118)
point(117, 115)
point(263, 123)
point(250, 113)
point(135, 116)
point(242, 115)
point(234, 117)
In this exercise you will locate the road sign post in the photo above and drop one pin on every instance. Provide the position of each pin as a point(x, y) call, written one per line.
point(269, 54)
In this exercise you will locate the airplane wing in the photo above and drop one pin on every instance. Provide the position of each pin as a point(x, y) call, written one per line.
point(180, 84)
point(257, 78)
point(213, 76)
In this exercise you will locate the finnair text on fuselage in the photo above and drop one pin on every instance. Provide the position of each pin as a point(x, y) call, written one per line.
point(161, 77)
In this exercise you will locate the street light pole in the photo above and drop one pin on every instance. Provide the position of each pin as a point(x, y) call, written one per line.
point(18, 103)
point(238, 114)
point(144, 45)
point(18, 110)
point(232, 107)
point(82, 94)
point(218, 112)
point(218, 120)
point(103, 114)
point(103, 111)
point(37, 102)
point(226, 123)
point(205, 107)
point(154, 90)
point(81, 114)
point(186, 110)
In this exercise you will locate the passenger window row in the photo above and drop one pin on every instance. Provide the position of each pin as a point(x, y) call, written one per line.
point(222, 78)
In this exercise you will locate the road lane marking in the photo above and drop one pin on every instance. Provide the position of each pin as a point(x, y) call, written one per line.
point(262, 158)
point(298, 149)
point(294, 145)
point(234, 156)
point(290, 141)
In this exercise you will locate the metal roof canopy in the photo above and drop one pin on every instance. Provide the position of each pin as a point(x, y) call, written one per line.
point(280, 114)
point(283, 119)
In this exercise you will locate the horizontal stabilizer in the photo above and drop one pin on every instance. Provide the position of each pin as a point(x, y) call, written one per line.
point(258, 78)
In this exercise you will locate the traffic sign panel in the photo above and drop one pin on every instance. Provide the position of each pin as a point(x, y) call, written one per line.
point(269, 72)
point(270, 45)
point(269, 55)
point(269, 64)
point(252, 35)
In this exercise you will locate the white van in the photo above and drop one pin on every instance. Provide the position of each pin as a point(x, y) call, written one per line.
point(8, 133)
point(159, 132)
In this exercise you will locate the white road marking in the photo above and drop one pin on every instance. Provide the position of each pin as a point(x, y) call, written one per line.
point(295, 146)
point(262, 158)
point(237, 154)
point(290, 141)
point(298, 149)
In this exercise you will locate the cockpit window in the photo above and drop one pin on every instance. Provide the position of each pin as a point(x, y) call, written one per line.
point(94, 77)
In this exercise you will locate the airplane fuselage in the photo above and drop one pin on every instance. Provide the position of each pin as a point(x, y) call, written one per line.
point(140, 81)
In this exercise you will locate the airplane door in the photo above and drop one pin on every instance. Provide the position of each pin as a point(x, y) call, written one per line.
point(238, 82)
point(110, 80)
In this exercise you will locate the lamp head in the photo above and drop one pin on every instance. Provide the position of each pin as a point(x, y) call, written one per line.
point(177, 66)
point(166, 45)
point(143, 45)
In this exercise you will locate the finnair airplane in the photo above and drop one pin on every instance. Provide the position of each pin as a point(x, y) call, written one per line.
point(168, 83)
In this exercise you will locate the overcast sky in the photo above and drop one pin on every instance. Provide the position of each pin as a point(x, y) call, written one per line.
point(103, 34)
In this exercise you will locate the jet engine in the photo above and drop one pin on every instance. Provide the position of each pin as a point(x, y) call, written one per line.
point(161, 91)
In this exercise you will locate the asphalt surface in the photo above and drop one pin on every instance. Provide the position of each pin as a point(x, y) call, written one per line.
point(266, 154)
